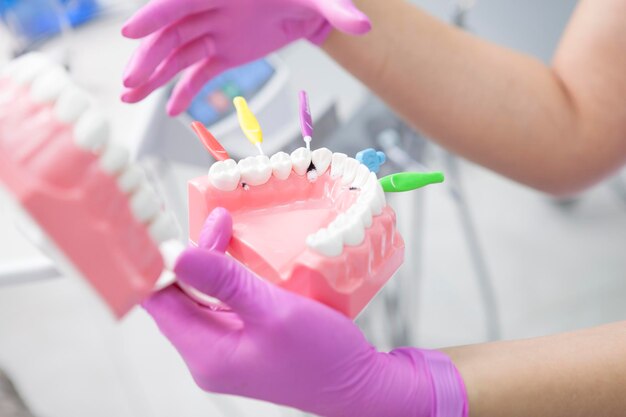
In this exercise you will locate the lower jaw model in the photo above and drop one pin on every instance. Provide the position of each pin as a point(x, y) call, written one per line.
point(315, 223)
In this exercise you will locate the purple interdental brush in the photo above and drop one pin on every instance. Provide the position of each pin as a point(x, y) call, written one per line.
point(306, 121)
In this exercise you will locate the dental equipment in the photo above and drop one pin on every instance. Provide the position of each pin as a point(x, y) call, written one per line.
point(372, 159)
point(211, 144)
point(249, 123)
point(306, 119)
point(409, 181)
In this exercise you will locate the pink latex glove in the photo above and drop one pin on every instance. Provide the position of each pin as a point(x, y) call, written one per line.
point(279, 347)
point(211, 36)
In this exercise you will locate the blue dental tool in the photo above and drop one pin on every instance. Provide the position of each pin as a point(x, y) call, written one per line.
point(372, 159)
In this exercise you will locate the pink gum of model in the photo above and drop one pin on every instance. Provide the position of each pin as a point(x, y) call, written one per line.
point(79, 206)
point(272, 222)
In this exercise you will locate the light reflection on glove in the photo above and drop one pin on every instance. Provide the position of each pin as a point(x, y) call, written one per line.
point(211, 36)
point(279, 347)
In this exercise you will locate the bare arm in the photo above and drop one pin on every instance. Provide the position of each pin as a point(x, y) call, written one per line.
point(558, 129)
point(569, 375)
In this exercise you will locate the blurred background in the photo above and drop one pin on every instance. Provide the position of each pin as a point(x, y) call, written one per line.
point(489, 258)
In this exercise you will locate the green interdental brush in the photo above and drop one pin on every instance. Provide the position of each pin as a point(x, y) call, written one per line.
point(409, 181)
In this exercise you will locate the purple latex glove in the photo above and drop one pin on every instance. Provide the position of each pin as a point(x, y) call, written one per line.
point(279, 347)
point(211, 36)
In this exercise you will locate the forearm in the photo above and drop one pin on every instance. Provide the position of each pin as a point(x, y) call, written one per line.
point(574, 374)
point(502, 109)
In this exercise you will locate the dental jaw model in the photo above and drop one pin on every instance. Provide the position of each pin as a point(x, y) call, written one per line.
point(93, 212)
point(313, 222)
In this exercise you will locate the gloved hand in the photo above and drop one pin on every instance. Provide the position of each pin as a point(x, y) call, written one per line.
point(279, 347)
point(211, 36)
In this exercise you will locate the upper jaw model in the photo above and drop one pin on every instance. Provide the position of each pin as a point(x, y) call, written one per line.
point(94, 211)
point(313, 222)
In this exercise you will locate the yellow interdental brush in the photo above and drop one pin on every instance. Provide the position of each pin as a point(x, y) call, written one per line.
point(249, 123)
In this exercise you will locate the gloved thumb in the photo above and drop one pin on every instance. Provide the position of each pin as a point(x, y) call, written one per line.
point(344, 16)
point(222, 277)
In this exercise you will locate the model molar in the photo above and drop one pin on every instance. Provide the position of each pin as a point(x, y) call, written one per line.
point(281, 165)
point(225, 175)
point(255, 170)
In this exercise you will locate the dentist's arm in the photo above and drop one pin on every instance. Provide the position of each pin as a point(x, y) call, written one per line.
point(568, 375)
point(558, 129)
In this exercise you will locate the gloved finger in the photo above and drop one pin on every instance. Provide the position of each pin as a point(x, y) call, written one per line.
point(343, 15)
point(224, 278)
point(159, 14)
point(179, 60)
point(155, 49)
point(190, 84)
point(135, 95)
point(216, 231)
point(182, 320)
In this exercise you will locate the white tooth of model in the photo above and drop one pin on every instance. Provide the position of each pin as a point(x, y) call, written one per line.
point(225, 175)
point(351, 229)
point(301, 160)
point(321, 158)
point(28, 68)
point(163, 228)
point(91, 132)
point(349, 170)
point(362, 175)
point(326, 242)
point(362, 211)
point(144, 203)
point(114, 159)
point(372, 199)
point(380, 193)
point(337, 163)
point(255, 170)
point(281, 165)
point(48, 86)
point(130, 179)
point(72, 103)
point(371, 183)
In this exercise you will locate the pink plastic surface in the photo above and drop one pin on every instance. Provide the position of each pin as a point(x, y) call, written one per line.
point(78, 205)
point(272, 222)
